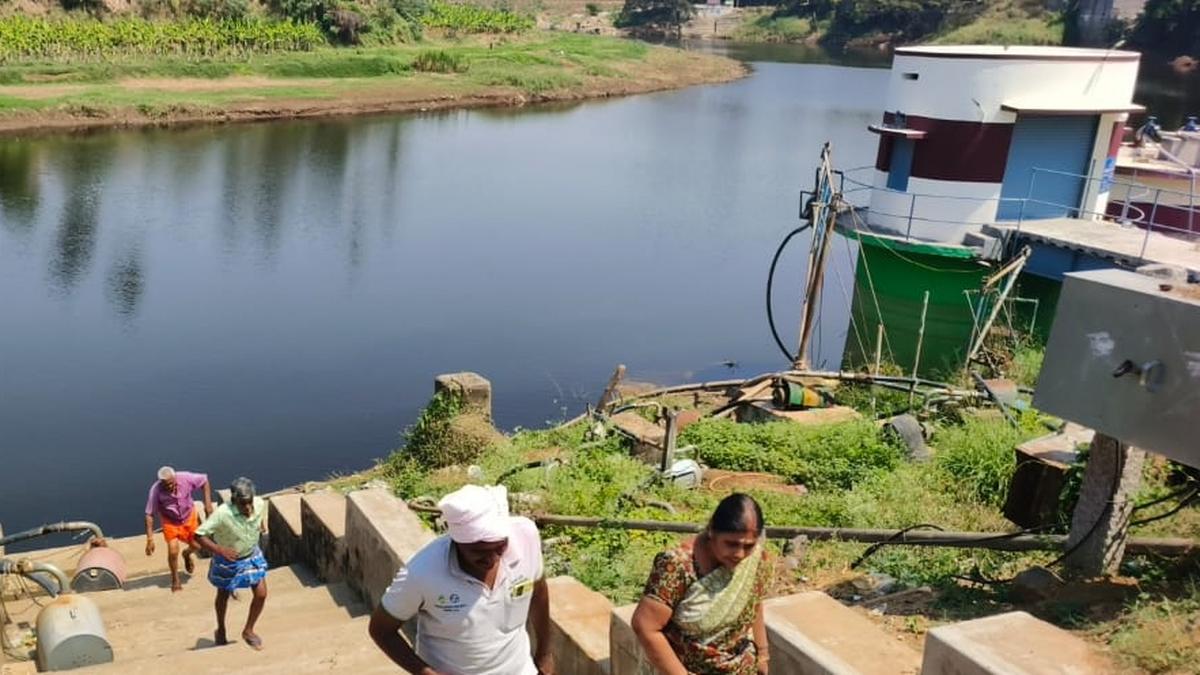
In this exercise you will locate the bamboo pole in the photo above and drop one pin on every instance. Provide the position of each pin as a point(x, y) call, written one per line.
point(920, 342)
point(996, 541)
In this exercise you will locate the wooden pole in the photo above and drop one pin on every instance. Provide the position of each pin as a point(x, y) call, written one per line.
point(878, 347)
point(668, 458)
point(996, 541)
point(920, 342)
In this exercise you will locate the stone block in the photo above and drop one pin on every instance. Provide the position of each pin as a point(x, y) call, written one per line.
point(475, 390)
point(648, 438)
point(765, 411)
point(382, 535)
point(579, 627)
point(625, 652)
point(285, 542)
point(1015, 643)
point(323, 532)
point(1043, 465)
point(813, 634)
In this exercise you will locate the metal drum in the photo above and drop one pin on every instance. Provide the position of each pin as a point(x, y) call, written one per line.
point(70, 634)
point(100, 569)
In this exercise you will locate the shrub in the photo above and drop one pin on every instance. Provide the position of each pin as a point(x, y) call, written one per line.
point(425, 440)
point(439, 61)
point(592, 9)
point(820, 457)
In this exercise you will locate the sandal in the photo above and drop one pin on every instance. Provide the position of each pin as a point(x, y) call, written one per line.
point(219, 638)
point(253, 640)
point(189, 564)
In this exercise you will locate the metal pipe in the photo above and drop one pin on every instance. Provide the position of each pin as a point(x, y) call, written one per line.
point(28, 568)
point(997, 541)
point(912, 206)
point(43, 530)
point(1150, 225)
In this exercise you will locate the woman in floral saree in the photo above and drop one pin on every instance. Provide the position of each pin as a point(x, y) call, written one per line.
point(701, 611)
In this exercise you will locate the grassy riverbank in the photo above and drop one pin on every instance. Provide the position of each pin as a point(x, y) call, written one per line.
point(853, 475)
point(435, 72)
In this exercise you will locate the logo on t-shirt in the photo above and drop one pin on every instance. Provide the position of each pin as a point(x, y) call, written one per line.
point(451, 603)
point(520, 587)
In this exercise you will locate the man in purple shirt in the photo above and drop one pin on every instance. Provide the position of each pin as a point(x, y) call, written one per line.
point(171, 500)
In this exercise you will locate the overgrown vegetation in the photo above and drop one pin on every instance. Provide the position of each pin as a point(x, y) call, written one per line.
point(1169, 26)
point(475, 19)
point(768, 28)
point(439, 61)
point(819, 457)
point(24, 38)
point(654, 17)
point(843, 23)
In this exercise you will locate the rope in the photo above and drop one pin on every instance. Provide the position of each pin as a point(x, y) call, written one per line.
point(883, 244)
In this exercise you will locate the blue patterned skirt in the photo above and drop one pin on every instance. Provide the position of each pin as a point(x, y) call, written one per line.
point(230, 575)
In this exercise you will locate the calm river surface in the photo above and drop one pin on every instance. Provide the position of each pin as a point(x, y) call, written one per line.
point(275, 299)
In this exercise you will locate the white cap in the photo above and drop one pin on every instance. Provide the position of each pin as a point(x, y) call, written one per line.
point(476, 513)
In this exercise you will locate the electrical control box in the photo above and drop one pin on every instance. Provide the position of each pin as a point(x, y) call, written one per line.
point(1124, 359)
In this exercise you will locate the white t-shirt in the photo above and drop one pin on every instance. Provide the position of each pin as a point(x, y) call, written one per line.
point(464, 628)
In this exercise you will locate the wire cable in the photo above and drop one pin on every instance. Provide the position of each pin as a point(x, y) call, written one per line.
point(770, 285)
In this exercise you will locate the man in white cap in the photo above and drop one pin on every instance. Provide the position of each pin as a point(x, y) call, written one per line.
point(471, 591)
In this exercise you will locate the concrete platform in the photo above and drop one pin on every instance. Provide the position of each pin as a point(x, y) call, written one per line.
point(1015, 643)
point(1125, 246)
point(813, 634)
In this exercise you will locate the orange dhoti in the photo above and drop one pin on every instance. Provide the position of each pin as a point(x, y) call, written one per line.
point(185, 531)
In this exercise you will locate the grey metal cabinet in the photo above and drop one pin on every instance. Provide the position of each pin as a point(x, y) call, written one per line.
point(1124, 359)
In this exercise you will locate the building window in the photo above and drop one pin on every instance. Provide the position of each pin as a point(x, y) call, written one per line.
point(911, 76)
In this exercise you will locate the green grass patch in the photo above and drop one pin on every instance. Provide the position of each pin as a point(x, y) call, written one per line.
point(978, 453)
point(1000, 29)
point(337, 64)
point(769, 28)
point(832, 456)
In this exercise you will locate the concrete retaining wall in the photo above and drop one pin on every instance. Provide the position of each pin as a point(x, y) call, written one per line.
point(813, 634)
point(323, 523)
point(382, 534)
point(284, 544)
point(579, 625)
point(625, 652)
point(1010, 643)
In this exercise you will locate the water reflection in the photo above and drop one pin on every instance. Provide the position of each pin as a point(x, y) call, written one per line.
point(76, 239)
point(18, 185)
point(126, 283)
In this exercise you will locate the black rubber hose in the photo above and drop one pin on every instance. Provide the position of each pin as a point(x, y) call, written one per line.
point(771, 284)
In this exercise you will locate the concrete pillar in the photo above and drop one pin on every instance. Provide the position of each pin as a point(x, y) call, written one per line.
point(323, 533)
point(382, 535)
point(1100, 523)
point(475, 390)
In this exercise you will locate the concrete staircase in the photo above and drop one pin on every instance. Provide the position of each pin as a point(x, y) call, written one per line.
point(332, 556)
point(153, 630)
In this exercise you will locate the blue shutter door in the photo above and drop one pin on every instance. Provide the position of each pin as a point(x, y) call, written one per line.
point(1053, 143)
point(902, 154)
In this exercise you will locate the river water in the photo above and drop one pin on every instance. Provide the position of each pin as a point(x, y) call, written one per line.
point(275, 299)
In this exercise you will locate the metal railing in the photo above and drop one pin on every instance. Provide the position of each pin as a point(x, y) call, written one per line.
point(856, 193)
